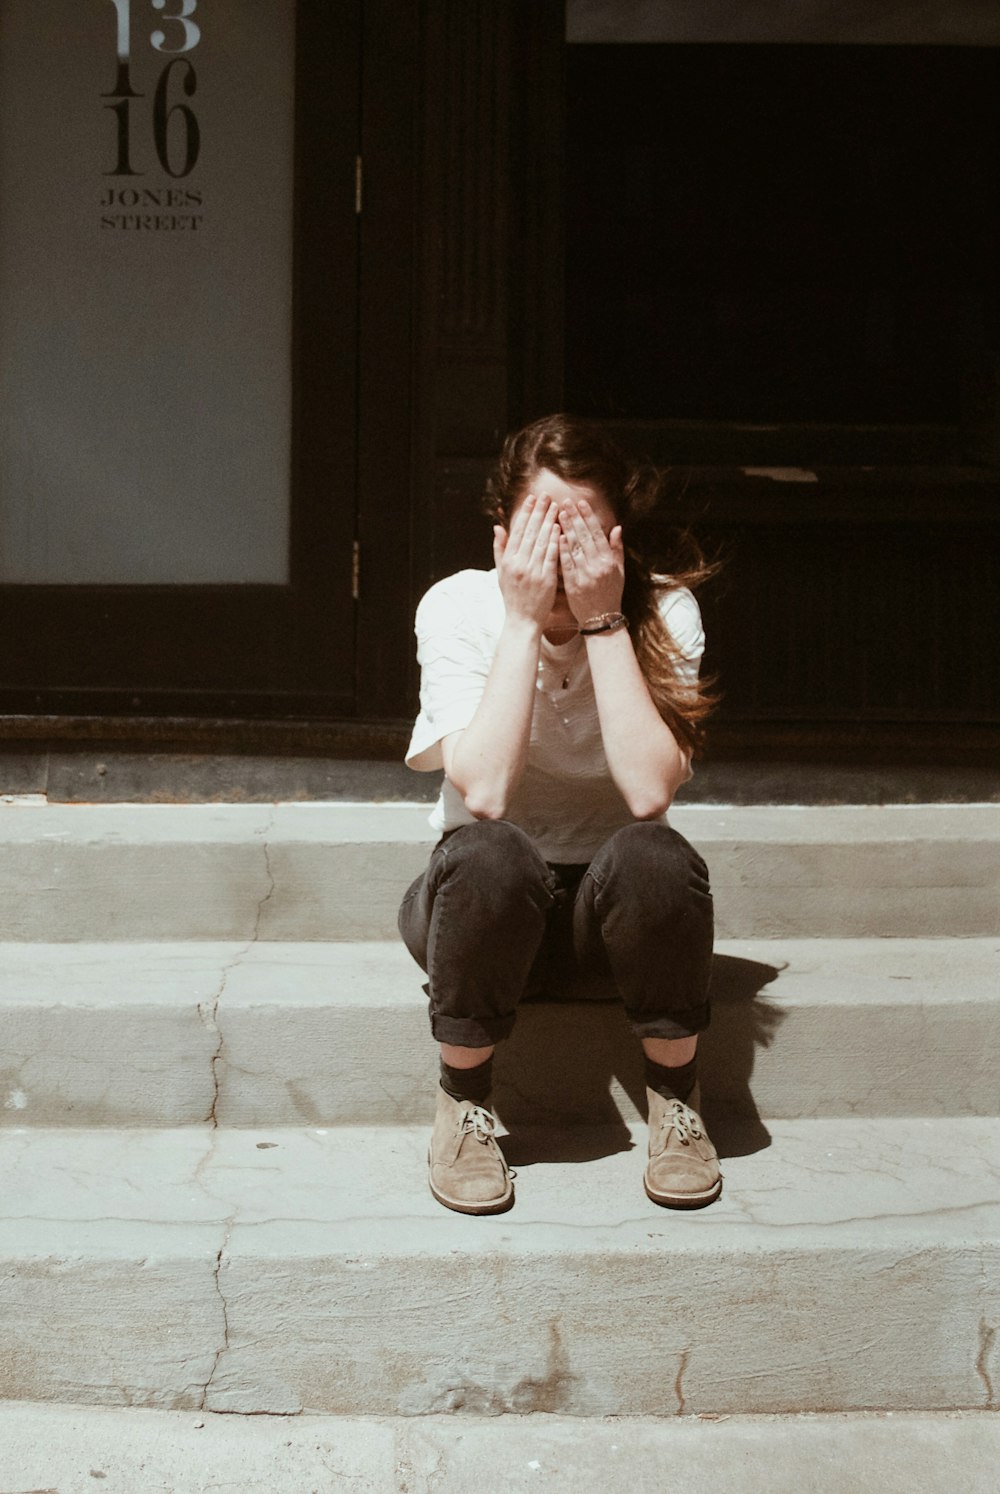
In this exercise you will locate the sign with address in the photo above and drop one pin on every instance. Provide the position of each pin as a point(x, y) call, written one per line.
point(146, 175)
point(168, 123)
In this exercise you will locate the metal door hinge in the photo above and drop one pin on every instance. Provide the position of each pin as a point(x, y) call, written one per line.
point(359, 184)
point(356, 571)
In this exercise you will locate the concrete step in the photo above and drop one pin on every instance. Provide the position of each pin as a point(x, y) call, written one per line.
point(336, 871)
point(851, 1264)
point(330, 1034)
point(179, 1452)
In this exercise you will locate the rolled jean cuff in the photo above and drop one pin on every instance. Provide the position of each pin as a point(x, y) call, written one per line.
point(471, 1032)
point(682, 1024)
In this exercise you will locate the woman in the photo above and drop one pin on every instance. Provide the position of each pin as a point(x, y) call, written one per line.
point(560, 694)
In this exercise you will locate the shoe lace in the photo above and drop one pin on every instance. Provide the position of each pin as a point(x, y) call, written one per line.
point(478, 1122)
point(685, 1122)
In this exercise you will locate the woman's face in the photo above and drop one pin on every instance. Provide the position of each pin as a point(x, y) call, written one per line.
point(566, 495)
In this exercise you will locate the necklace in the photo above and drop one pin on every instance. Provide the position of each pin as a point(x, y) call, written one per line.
point(564, 666)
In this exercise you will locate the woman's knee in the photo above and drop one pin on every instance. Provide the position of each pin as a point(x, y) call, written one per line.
point(646, 898)
point(412, 920)
point(497, 849)
point(653, 849)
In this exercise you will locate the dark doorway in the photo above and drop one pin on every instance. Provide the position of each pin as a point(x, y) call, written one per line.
point(780, 233)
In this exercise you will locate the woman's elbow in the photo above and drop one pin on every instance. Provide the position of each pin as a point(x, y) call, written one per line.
point(484, 805)
point(485, 795)
point(651, 800)
point(649, 806)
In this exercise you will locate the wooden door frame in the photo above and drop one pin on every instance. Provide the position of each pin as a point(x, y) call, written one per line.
point(461, 304)
point(435, 77)
point(253, 649)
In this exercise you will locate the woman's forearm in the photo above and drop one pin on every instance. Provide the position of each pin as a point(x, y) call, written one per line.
point(486, 760)
point(646, 761)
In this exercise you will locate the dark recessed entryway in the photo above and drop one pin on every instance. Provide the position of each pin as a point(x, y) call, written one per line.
point(781, 233)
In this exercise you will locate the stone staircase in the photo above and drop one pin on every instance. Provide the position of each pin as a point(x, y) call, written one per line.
point(216, 1083)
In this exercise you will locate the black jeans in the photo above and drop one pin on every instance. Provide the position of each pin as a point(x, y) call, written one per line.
point(489, 918)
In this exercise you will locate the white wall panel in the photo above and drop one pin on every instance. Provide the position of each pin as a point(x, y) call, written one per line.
point(145, 320)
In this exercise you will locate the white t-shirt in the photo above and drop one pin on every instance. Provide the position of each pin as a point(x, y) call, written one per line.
point(566, 800)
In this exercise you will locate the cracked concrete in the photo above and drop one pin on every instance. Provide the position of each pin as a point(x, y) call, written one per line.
point(679, 1381)
point(286, 1268)
point(777, 871)
point(259, 1032)
point(209, 1012)
point(217, 1276)
point(987, 1340)
point(282, 1271)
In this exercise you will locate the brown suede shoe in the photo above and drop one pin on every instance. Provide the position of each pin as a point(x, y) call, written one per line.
point(683, 1167)
point(466, 1167)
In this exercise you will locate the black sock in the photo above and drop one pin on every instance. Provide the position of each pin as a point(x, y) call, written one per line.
point(672, 1084)
point(468, 1084)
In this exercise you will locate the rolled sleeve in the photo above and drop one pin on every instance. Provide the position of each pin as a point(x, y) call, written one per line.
point(682, 616)
point(455, 656)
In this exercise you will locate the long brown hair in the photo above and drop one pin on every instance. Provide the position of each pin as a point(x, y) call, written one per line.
point(581, 452)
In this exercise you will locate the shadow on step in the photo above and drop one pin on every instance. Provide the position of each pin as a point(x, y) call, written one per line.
point(570, 1079)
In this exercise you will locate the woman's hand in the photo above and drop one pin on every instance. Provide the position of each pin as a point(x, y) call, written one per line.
point(593, 564)
point(527, 560)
